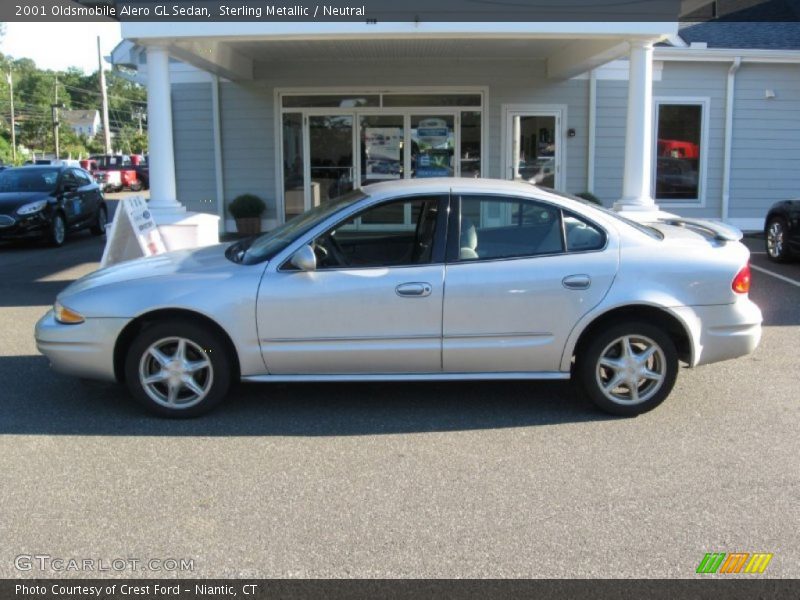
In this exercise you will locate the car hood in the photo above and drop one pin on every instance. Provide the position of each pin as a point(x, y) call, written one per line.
point(209, 260)
point(11, 201)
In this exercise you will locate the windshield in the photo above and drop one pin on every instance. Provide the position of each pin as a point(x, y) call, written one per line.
point(28, 180)
point(268, 245)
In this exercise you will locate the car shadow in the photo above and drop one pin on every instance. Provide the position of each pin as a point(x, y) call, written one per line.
point(32, 270)
point(29, 265)
point(40, 401)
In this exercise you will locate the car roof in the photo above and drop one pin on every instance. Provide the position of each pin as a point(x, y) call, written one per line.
point(438, 183)
point(44, 167)
point(460, 184)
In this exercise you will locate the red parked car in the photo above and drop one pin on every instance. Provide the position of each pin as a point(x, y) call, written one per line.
point(117, 172)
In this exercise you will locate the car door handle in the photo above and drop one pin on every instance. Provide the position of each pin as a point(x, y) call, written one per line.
point(415, 290)
point(577, 282)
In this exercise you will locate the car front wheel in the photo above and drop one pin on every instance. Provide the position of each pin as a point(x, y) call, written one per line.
point(99, 227)
point(58, 230)
point(178, 369)
point(776, 240)
point(629, 369)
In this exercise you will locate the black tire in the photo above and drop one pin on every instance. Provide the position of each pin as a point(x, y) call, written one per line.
point(609, 345)
point(57, 234)
point(99, 227)
point(137, 187)
point(776, 242)
point(201, 345)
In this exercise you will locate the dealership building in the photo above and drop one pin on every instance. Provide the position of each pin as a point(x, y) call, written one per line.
point(700, 120)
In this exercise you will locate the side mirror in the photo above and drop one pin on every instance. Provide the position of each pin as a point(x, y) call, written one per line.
point(304, 259)
point(68, 188)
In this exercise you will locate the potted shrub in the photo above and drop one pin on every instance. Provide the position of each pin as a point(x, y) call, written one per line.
point(247, 210)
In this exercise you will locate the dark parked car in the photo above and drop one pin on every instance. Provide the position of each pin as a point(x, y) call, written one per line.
point(49, 201)
point(782, 230)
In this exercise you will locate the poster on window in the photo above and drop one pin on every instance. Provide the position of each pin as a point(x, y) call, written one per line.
point(382, 147)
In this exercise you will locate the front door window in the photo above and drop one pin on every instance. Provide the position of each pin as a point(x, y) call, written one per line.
point(392, 234)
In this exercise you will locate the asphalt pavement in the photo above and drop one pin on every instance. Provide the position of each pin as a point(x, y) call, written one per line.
point(501, 479)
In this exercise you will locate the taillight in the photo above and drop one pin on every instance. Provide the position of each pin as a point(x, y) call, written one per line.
point(741, 283)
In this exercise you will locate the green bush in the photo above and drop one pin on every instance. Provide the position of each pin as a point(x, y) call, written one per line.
point(590, 197)
point(247, 206)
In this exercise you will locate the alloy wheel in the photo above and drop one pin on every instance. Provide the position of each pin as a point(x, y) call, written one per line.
point(59, 230)
point(775, 236)
point(631, 369)
point(176, 373)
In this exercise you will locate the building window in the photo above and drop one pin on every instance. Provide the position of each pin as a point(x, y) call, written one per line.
point(333, 142)
point(679, 150)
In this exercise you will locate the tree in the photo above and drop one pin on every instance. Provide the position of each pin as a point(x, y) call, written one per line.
point(35, 90)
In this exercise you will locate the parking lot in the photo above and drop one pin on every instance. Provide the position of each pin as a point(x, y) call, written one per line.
point(501, 479)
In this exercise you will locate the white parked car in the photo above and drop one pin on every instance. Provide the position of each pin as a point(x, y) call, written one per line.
point(418, 280)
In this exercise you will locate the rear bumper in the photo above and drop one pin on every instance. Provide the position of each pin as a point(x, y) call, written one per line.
point(722, 332)
point(84, 350)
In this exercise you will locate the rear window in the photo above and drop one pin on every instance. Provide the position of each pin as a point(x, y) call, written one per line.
point(646, 229)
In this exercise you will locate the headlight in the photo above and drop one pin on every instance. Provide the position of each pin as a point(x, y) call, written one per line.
point(33, 207)
point(65, 315)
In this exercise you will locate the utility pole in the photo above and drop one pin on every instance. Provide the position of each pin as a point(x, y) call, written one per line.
point(106, 131)
point(139, 114)
point(54, 115)
point(13, 124)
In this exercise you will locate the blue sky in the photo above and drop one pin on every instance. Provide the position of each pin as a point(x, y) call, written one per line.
point(60, 45)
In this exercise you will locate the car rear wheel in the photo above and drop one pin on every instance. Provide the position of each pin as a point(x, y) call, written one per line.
point(99, 227)
point(629, 369)
point(777, 249)
point(136, 186)
point(58, 230)
point(178, 369)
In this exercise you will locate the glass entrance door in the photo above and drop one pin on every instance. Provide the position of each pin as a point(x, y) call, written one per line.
point(330, 153)
point(535, 151)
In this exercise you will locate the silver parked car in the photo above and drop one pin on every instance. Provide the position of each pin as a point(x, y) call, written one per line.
point(418, 280)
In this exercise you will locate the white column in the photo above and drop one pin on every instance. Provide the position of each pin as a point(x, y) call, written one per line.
point(639, 132)
point(516, 137)
point(163, 198)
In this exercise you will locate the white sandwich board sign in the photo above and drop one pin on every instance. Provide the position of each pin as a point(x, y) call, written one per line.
point(132, 234)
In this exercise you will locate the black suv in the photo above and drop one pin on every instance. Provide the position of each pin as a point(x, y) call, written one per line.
point(49, 201)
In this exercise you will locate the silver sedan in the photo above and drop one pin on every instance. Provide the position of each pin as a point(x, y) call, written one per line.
point(418, 280)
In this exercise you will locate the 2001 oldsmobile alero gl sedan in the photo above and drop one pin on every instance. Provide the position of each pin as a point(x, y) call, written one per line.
point(418, 280)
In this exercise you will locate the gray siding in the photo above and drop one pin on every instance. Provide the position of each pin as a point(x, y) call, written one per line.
point(193, 133)
point(248, 142)
point(766, 139)
point(609, 156)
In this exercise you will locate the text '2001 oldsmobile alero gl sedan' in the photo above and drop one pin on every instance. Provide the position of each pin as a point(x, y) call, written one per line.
point(418, 280)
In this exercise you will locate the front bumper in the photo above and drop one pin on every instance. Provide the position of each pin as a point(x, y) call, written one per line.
point(83, 350)
point(32, 226)
point(722, 332)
